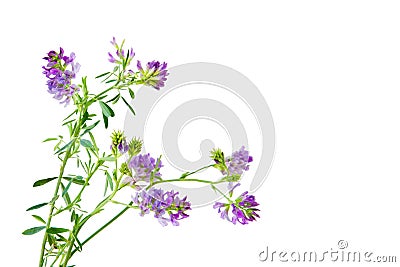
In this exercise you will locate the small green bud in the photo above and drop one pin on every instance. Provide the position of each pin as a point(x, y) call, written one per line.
point(135, 146)
point(124, 169)
point(217, 155)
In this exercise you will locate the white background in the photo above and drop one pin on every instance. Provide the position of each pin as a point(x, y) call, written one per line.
point(329, 71)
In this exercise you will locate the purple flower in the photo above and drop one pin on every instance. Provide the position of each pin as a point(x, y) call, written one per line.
point(238, 162)
point(243, 209)
point(59, 81)
point(120, 54)
point(118, 142)
point(111, 59)
point(123, 147)
point(114, 42)
point(167, 206)
point(144, 167)
point(154, 75)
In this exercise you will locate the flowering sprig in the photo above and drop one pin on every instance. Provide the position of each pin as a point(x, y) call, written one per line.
point(242, 208)
point(145, 168)
point(59, 81)
point(122, 164)
point(120, 54)
point(155, 74)
point(167, 206)
point(234, 166)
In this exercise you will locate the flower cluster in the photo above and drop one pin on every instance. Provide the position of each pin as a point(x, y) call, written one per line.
point(243, 208)
point(118, 142)
point(167, 206)
point(155, 74)
point(238, 162)
point(233, 166)
point(145, 168)
point(121, 57)
point(59, 81)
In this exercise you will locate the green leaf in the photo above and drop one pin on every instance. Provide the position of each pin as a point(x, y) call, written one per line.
point(102, 97)
point(77, 180)
point(105, 188)
point(49, 139)
point(51, 239)
point(37, 206)
point(89, 128)
point(110, 81)
point(65, 123)
point(105, 119)
point(33, 230)
point(37, 217)
point(101, 75)
point(110, 182)
point(107, 111)
point(64, 147)
point(43, 181)
point(86, 143)
point(93, 141)
point(126, 59)
point(61, 238)
point(69, 116)
point(79, 246)
point(47, 180)
point(85, 117)
point(65, 194)
point(131, 93)
point(114, 99)
point(84, 86)
point(129, 106)
point(55, 230)
point(67, 187)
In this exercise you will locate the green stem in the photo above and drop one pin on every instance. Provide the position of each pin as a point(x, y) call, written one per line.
point(104, 226)
point(71, 252)
point(77, 198)
point(183, 176)
point(58, 255)
point(96, 97)
point(44, 242)
point(215, 188)
point(82, 223)
point(62, 168)
point(123, 204)
point(183, 180)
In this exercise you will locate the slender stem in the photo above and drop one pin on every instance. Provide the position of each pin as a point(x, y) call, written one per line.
point(96, 97)
point(72, 251)
point(44, 242)
point(103, 227)
point(128, 206)
point(196, 171)
point(182, 180)
point(62, 168)
point(98, 164)
point(215, 188)
point(58, 255)
point(95, 211)
point(123, 204)
point(81, 191)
